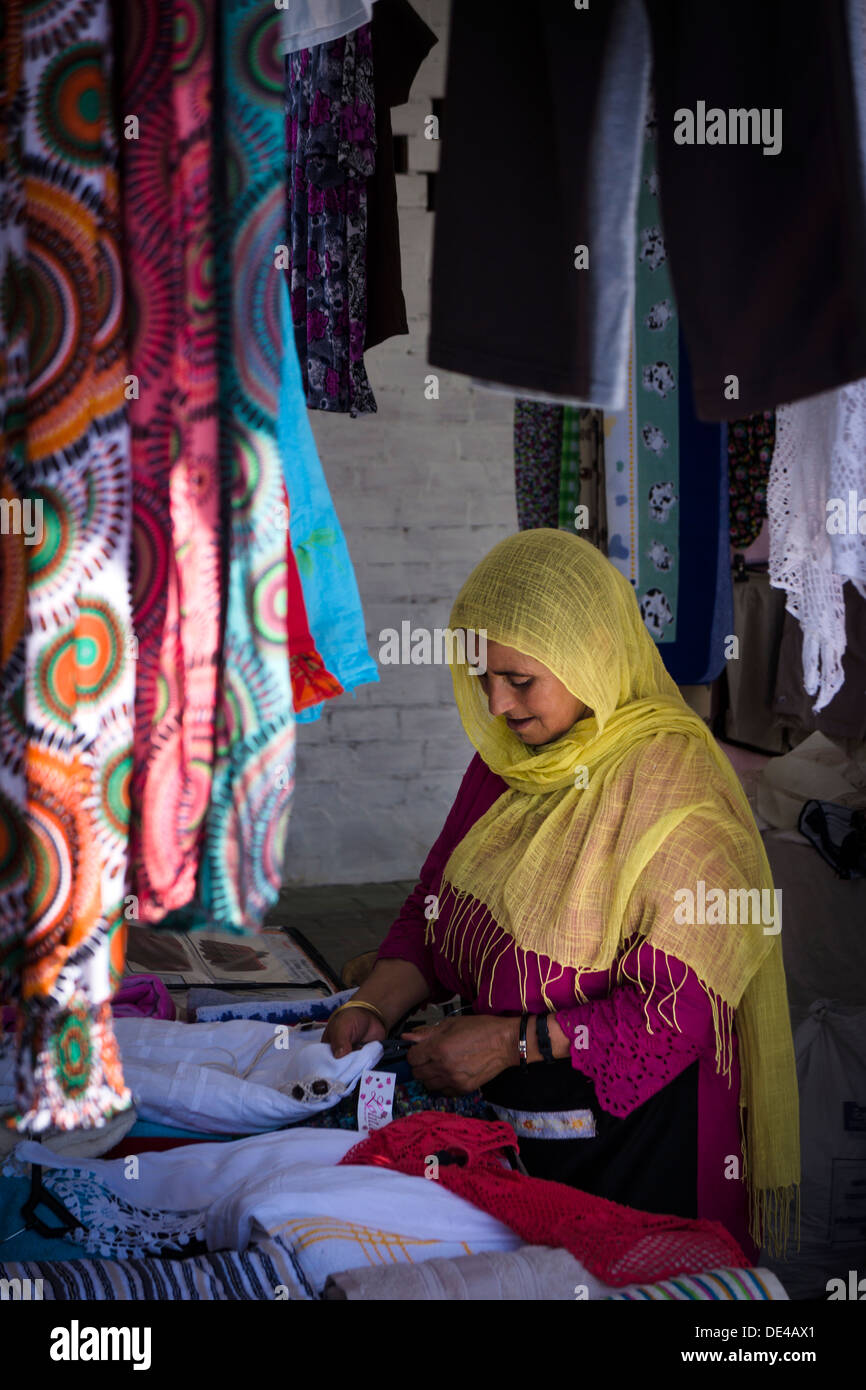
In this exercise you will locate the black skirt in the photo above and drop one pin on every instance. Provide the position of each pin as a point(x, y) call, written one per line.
point(647, 1159)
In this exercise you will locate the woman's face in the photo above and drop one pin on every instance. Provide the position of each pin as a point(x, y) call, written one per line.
point(536, 705)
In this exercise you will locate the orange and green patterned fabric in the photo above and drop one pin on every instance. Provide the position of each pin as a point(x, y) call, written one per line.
point(66, 666)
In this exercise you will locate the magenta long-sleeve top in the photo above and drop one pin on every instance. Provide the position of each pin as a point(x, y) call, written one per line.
point(619, 1039)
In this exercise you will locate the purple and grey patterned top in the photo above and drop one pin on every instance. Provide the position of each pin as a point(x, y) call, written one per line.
point(331, 146)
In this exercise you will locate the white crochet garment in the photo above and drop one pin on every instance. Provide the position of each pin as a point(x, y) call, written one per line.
point(819, 459)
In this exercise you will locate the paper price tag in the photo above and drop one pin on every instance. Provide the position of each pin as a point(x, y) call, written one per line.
point(375, 1100)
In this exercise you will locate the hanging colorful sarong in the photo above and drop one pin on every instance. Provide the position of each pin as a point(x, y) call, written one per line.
point(13, 458)
point(168, 216)
point(67, 710)
point(330, 591)
point(253, 774)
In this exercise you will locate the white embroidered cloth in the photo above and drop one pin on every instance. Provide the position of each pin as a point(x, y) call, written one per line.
point(234, 1077)
point(283, 1185)
point(820, 456)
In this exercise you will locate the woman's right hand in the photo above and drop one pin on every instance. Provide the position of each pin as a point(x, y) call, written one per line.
point(395, 987)
point(351, 1029)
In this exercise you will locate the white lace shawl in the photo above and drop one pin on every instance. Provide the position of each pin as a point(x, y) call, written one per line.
point(819, 459)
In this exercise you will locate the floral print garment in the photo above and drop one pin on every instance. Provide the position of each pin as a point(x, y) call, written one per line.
point(537, 460)
point(331, 141)
point(750, 453)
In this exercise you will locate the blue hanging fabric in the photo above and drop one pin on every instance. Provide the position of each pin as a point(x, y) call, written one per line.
point(327, 578)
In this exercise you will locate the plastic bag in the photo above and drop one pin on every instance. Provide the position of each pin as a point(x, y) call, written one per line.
point(830, 1047)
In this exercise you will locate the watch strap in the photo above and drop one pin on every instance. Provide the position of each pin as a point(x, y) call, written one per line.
point(542, 1033)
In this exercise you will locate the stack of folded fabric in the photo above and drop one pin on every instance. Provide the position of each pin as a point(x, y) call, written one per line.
point(281, 1214)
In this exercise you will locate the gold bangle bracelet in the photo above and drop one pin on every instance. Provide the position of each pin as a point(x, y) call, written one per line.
point(362, 1004)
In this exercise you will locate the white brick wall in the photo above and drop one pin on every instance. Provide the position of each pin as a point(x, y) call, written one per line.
point(423, 490)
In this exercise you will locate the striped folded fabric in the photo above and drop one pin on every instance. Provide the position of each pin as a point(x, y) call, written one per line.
point(265, 1271)
point(314, 1254)
point(294, 1266)
point(730, 1285)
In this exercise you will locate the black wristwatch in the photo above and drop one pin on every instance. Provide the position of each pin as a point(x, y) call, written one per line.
point(542, 1033)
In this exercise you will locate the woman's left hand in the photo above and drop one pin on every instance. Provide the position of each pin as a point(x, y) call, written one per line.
point(460, 1054)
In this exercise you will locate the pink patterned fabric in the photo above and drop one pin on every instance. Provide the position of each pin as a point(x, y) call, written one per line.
point(168, 79)
point(631, 1048)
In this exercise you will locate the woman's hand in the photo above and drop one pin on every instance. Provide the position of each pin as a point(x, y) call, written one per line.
point(351, 1029)
point(394, 987)
point(460, 1054)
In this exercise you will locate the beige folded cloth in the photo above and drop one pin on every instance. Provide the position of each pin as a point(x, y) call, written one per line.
point(818, 768)
point(532, 1273)
point(77, 1143)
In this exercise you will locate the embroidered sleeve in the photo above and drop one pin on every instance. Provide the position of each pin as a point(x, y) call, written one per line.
point(644, 1033)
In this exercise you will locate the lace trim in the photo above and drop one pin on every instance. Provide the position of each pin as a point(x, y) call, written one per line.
point(618, 1051)
point(819, 459)
point(108, 1224)
point(630, 1044)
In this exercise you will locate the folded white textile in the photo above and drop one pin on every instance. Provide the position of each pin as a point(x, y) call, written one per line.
point(285, 1185)
point(307, 23)
point(235, 1077)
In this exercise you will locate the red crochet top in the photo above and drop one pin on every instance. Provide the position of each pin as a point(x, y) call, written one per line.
point(615, 1243)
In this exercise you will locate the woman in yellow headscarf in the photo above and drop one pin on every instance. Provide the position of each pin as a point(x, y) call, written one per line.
point(601, 896)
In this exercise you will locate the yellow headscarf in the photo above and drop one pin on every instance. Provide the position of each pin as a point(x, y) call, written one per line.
point(581, 858)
